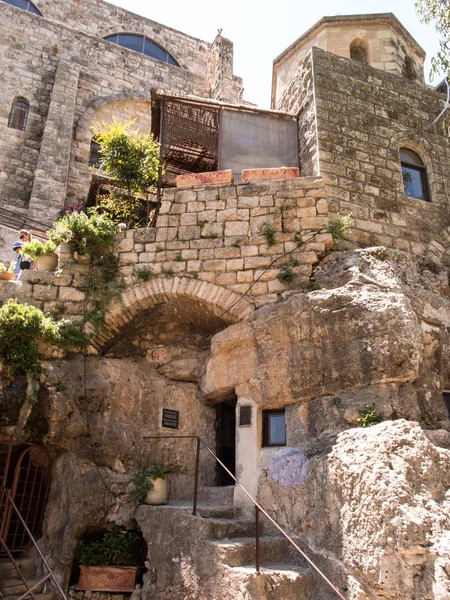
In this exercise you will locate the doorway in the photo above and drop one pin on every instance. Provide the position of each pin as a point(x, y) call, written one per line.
point(226, 440)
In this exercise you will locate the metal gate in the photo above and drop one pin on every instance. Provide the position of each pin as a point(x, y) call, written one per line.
point(26, 476)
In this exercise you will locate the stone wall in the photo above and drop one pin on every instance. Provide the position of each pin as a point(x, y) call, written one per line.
point(364, 116)
point(68, 76)
point(210, 235)
point(389, 47)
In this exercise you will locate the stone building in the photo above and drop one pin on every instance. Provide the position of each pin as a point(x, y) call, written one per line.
point(68, 65)
point(271, 344)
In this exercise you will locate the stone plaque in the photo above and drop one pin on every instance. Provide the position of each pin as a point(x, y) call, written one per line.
point(245, 416)
point(170, 418)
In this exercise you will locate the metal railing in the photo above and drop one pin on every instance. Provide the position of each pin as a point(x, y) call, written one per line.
point(8, 506)
point(258, 508)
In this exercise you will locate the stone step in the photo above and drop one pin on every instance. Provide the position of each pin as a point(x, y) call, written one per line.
point(237, 552)
point(222, 495)
point(217, 529)
point(25, 564)
point(216, 512)
point(282, 581)
point(11, 588)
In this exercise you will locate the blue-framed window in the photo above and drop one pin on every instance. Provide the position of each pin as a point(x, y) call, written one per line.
point(139, 43)
point(414, 173)
point(24, 5)
point(274, 427)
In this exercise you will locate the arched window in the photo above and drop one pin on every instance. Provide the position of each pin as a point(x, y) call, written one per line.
point(24, 5)
point(410, 71)
point(359, 50)
point(414, 175)
point(18, 116)
point(139, 43)
point(94, 154)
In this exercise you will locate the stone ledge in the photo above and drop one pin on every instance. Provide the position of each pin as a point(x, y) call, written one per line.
point(270, 174)
point(213, 177)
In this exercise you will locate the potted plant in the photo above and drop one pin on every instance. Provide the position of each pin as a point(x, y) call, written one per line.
point(42, 253)
point(87, 234)
point(107, 565)
point(150, 485)
point(7, 273)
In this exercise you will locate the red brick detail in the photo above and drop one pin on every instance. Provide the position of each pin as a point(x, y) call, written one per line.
point(205, 178)
point(261, 174)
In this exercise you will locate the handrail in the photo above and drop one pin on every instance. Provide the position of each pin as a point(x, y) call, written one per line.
point(258, 507)
point(50, 574)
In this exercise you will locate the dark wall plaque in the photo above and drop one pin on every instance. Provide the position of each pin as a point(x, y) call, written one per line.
point(170, 418)
point(245, 416)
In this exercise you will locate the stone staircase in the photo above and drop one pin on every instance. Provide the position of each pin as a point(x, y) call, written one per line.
point(12, 587)
point(222, 549)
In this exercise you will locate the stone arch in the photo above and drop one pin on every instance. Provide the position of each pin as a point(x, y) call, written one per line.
point(94, 105)
point(365, 37)
point(140, 29)
point(224, 303)
point(359, 50)
point(422, 147)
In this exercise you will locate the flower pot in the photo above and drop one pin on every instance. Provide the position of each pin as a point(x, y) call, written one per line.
point(81, 259)
point(5, 276)
point(159, 494)
point(107, 579)
point(47, 262)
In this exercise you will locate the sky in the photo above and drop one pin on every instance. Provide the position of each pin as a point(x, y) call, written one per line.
point(261, 30)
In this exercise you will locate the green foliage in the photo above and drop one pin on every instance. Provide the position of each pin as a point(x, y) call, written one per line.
point(269, 231)
point(120, 207)
point(102, 286)
point(236, 244)
point(437, 13)
point(210, 236)
point(86, 234)
point(178, 257)
point(142, 481)
point(72, 334)
point(144, 274)
point(5, 269)
point(313, 286)
point(298, 238)
point(35, 248)
point(295, 262)
point(115, 549)
point(369, 416)
point(340, 227)
point(21, 329)
point(128, 156)
point(380, 254)
point(168, 272)
point(285, 275)
point(202, 223)
point(159, 249)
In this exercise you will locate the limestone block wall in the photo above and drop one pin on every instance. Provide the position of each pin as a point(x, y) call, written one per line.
point(389, 47)
point(206, 235)
point(65, 101)
point(363, 117)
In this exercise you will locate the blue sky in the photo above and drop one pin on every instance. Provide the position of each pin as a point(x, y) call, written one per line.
point(262, 30)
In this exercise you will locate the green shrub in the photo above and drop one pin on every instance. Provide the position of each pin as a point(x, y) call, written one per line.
point(142, 481)
point(285, 275)
point(35, 248)
point(86, 234)
point(369, 416)
point(145, 273)
point(5, 269)
point(269, 231)
point(114, 549)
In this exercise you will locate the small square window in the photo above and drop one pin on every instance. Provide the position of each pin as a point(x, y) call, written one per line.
point(274, 428)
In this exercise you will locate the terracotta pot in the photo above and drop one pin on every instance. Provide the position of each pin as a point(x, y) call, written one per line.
point(107, 579)
point(5, 276)
point(47, 262)
point(82, 259)
point(159, 493)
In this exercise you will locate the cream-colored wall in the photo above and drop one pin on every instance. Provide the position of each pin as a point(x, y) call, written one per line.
point(387, 50)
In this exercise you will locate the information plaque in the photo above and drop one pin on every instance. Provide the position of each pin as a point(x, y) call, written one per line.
point(170, 418)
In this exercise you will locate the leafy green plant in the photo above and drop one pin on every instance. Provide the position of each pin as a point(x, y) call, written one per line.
point(101, 287)
point(178, 257)
point(369, 416)
point(72, 334)
point(285, 275)
point(236, 244)
point(159, 249)
point(295, 262)
point(168, 272)
point(21, 329)
point(298, 238)
point(142, 481)
point(86, 234)
point(313, 286)
point(340, 227)
point(35, 248)
point(145, 273)
point(114, 549)
point(5, 269)
point(269, 231)
point(437, 12)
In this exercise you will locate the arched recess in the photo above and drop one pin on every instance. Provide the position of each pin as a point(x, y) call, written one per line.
point(424, 149)
point(359, 50)
point(222, 302)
